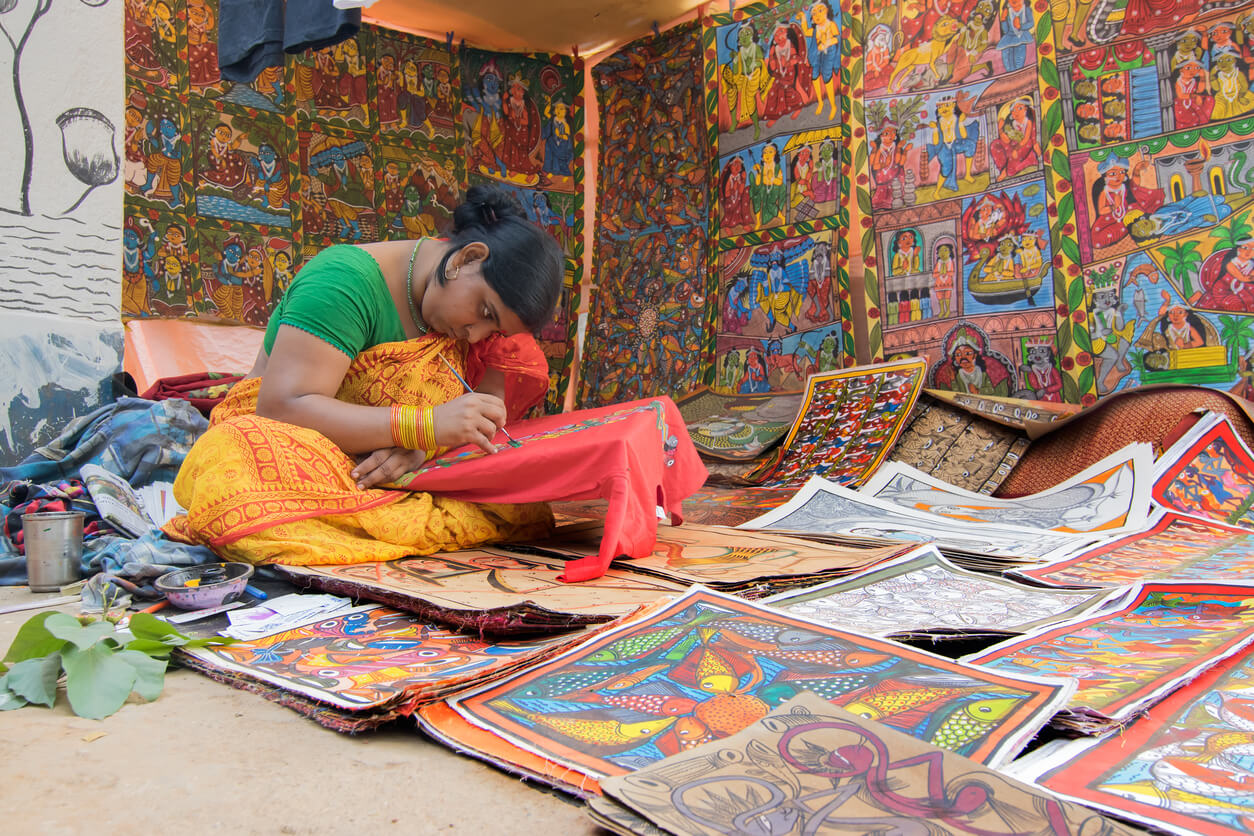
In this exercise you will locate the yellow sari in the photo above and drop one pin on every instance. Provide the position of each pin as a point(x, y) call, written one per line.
point(263, 491)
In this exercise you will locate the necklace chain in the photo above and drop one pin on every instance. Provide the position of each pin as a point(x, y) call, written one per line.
point(409, 292)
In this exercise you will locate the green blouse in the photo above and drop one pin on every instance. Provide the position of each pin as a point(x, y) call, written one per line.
point(340, 297)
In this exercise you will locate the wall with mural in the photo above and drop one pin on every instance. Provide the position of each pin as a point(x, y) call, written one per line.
point(230, 187)
point(1047, 200)
point(717, 258)
point(60, 215)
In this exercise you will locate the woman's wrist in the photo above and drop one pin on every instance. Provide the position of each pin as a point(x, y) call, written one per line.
point(413, 427)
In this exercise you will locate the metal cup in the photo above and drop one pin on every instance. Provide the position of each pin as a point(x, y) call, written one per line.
point(54, 548)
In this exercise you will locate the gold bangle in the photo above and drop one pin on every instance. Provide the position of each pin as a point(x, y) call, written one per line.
point(427, 428)
point(394, 424)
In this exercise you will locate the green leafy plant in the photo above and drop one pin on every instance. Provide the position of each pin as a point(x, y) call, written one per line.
point(100, 672)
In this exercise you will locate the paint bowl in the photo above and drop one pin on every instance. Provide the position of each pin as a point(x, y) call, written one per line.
point(201, 587)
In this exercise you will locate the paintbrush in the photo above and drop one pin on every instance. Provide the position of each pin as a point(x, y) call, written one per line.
point(512, 441)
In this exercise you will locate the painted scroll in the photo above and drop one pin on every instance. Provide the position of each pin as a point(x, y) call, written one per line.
point(487, 593)
point(777, 771)
point(1209, 473)
point(1174, 546)
point(923, 594)
point(705, 666)
point(1107, 498)
point(1127, 659)
point(1184, 767)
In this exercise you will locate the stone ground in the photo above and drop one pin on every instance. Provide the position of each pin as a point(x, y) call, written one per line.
point(207, 758)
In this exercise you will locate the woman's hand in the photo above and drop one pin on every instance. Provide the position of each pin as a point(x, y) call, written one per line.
point(473, 418)
point(386, 465)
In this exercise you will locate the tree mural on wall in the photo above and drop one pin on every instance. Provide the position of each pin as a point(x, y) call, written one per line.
point(87, 136)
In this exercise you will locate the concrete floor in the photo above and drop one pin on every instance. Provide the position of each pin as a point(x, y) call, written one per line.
point(207, 758)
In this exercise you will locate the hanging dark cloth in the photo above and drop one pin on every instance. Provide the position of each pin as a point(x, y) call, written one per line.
point(254, 34)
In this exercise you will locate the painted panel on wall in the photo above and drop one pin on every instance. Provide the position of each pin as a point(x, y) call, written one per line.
point(649, 324)
point(773, 84)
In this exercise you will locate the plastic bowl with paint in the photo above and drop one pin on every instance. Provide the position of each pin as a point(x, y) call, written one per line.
point(201, 587)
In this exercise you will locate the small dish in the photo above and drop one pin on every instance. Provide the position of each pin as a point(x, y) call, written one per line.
point(208, 585)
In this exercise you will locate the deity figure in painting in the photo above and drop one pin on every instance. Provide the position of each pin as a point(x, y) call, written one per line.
point(745, 79)
point(1114, 195)
point(1232, 88)
point(970, 367)
point(952, 137)
point(1040, 372)
point(734, 191)
point(1193, 103)
point(789, 69)
point(1015, 148)
point(825, 35)
point(1228, 282)
point(887, 163)
point(906, 252)
point(800, 188)
point(944, 273)
point(767, 188)
point(1017, 26)
point(1112, 335)
point(387, 102)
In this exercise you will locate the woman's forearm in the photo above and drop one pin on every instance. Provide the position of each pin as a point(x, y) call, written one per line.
point(351, 427)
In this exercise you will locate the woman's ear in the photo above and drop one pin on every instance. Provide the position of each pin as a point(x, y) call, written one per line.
point(473, 252)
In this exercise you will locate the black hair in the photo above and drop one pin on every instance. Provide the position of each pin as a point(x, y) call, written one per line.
point(524, 264)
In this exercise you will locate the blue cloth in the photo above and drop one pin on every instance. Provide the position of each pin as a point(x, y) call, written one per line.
point(254, 34)
point(140, 440)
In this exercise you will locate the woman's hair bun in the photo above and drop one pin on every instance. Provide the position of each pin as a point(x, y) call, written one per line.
point(486, 206)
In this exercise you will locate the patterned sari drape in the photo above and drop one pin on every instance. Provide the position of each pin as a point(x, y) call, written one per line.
point(263, 491)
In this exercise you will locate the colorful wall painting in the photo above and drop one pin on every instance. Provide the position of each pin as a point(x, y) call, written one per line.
point(776, 763)
point(231, 187)
point(948, 157)
point(1173, 546)
point(772, 81)
point(1154, 117)
point(1131, 138)
point(1127, 659)
point(1208, 473)
point(371, 657)
point(1180, 768)
point(1109, 497)
point(923, 594)
point(650, 314)
point(779, 322)
point(706, 665)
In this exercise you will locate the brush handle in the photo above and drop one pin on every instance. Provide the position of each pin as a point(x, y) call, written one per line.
point(513, 441)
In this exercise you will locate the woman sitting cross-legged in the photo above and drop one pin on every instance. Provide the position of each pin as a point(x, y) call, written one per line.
point(351, 389)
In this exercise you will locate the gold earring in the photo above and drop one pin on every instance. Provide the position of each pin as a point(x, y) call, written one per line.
point(456, 270)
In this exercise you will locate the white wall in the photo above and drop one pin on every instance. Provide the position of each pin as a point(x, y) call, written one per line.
point(60, 253)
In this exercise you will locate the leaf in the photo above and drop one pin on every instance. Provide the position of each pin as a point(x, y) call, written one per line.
point(1049, 72)
point(1061, 166)
point(1053, 121)
point(35, 680)
point(150, 647)
point(82, 637)
point(33, 639)
point(96, 680)
point(1082, 338)
point(149, 673)
point(1070, 249)
point(10, 700)
point(145, 625)
point(1086, 380)
point(1066, 207)
point(1075, 295)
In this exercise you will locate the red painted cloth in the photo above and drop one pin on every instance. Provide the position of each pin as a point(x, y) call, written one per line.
point(204, 390)
point(637, 455)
